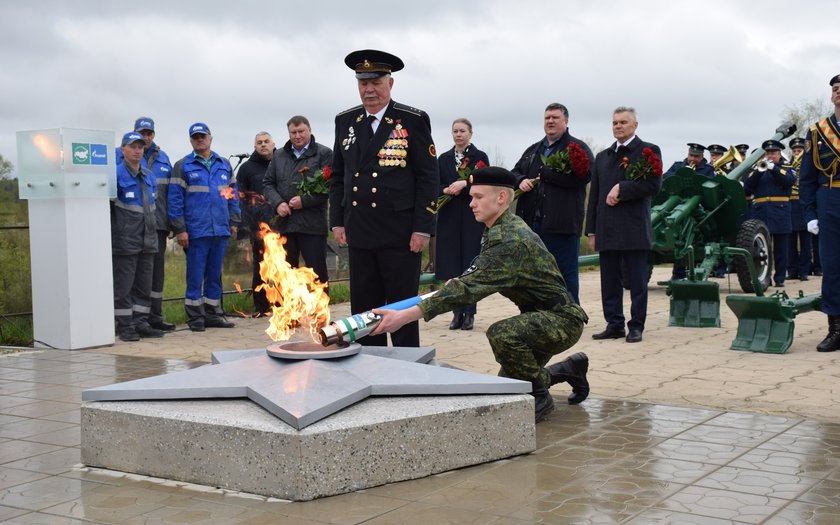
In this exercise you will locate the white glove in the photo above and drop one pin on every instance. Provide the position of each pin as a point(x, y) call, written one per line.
point(814, 227)
point(770, 165)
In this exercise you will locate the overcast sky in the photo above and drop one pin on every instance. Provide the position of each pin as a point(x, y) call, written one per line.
point(713, 71)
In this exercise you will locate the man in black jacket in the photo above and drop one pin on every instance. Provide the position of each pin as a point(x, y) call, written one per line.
point(255, 210)
point(385, 176)
point(618, 223)
point(303, 213)
point(553, 201)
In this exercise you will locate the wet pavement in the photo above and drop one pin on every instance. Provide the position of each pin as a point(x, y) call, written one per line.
point(678, 429)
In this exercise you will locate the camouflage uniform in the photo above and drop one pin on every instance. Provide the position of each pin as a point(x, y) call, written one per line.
point(514, 262)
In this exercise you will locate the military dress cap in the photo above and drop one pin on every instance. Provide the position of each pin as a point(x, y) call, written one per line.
point(370, 63)
point(772, 145)
point(493, 176)
point(143, 123)
point(835, 79)
point(742, 148)
point(716, 148)
point(797, 142)
point(695, 149)
point(199, 127)
point(131, 137)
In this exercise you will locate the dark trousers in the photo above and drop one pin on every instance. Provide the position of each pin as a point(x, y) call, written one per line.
point(816, 263)
point(156, 314)
point(612, 290)
point(132, 288)
point(260, 301)
point(565, 247)
point(313, 248)
point(780, 256)
point(799, 254)
point(383, 276)
point(204, 278)
point(828, 213)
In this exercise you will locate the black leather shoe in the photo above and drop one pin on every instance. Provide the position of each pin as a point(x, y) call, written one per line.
point(163, 325)
point(469, 322)
point(609, 333)
point(803, 277)
point(196, 327)
point(816, 273)
point(129, 335)
point(543, 402)
point(779, 285)
point(219, 322)
point(457, 321)
point(634, 336)
point(831, 343)
point(148, 331)
point(572, 370)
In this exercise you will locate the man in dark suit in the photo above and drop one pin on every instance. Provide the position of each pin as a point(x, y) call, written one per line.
point(618, 224)
point(385, 175)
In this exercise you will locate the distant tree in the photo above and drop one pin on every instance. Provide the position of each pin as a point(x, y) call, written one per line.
point(805, 113)
point(498, 157)
point(6, 167)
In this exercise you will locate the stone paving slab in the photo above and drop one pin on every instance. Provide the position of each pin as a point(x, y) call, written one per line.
point(675, 366)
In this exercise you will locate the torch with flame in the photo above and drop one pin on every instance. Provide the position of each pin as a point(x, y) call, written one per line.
point(298, 299)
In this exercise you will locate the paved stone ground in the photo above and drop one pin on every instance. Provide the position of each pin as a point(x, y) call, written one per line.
point(673, 366)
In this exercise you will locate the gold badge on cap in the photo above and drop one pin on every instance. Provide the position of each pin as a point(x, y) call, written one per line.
point(471, 179)
point(366, 64)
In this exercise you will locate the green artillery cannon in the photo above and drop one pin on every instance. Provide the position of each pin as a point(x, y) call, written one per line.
point(765, 324)
point(695, 222)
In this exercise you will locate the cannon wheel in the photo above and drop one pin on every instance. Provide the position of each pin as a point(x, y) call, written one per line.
point(754, 237)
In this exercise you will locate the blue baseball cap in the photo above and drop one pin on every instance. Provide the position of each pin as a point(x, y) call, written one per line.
point(199, 127)
point(131, 137)
point(144, 123)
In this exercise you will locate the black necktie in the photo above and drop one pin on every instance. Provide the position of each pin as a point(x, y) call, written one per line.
point(370, 120)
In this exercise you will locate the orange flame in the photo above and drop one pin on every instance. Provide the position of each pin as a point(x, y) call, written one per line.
point(296, 295)
point(237, 286)
point(227, 193)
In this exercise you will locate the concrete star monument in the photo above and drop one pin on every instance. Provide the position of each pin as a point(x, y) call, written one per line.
point(303, 391)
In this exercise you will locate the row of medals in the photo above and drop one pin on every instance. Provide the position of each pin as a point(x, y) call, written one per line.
point(394, 153)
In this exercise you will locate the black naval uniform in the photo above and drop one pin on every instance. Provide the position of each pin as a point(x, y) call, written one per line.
point(381, 187)
point(771, 204)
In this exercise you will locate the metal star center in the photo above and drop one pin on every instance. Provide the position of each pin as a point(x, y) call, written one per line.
point(301, 392)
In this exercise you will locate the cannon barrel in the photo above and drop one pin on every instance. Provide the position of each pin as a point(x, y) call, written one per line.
point(659, 212)
point(782, 132)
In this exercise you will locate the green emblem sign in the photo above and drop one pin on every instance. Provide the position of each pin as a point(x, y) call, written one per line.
point(81, 153)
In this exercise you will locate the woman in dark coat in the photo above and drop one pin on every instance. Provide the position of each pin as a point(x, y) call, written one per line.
point(458, 234)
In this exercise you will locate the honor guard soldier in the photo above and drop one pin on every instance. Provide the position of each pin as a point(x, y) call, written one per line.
point(799, 253)
point(819, 192)
point(514, 262)
point(385, 175)
point(716, 151)
point(770, 183)
point(694, 160)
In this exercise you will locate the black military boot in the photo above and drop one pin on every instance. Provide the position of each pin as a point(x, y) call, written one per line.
point(457, 321)
point(832, 340)
point(543, 402)
point(572, 370)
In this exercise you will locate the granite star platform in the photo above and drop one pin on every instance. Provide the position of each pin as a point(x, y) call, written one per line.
point(302, 429)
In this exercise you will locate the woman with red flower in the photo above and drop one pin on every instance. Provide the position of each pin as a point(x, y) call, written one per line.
point(458, 234)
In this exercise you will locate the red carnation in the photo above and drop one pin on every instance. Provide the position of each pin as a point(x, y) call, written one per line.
point(480, 164)
point(579, 160)
point(327, 173)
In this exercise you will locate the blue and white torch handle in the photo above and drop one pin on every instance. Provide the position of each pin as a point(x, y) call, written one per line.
point(348, 329)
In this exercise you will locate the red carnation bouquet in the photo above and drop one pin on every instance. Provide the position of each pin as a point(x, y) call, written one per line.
point(572, 160)
point(464, 172)
point(648, 166)
point(316, 184)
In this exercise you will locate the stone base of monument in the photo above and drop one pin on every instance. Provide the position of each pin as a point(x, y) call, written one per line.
point(237, 445)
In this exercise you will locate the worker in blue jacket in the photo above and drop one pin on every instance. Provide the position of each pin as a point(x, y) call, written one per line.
point(204, 213)
point(770, 183)
point(133, 242)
